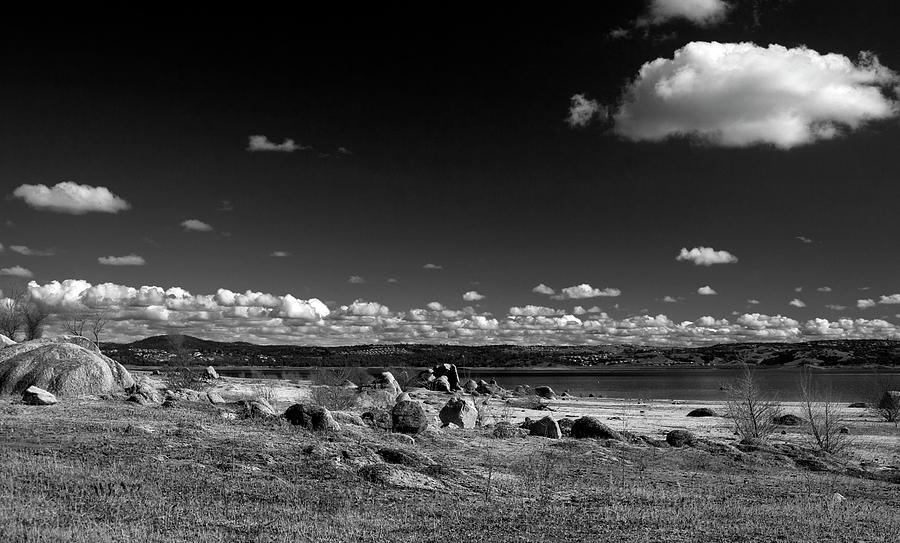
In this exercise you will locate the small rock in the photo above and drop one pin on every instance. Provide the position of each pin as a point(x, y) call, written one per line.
point(470, 386)
point(459, 412)
point(441, 384)
point(859, 405)
point(788, 420)
point(545, 392)
point(345, 417)
point(411, 458)
point(257, 408)
point(409, 417)
point(38, 396)
point(141, 400)
point(546, 427)
point(590, 427)
point(215, 398)
point(703, 412)
point(844, 430)
point(312, 417)
point(680, 438)
point(211, 373)
point(403, 398)
point(837, 498)
point(378, 418)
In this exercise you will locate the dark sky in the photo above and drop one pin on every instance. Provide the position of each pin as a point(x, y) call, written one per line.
point(460, 156)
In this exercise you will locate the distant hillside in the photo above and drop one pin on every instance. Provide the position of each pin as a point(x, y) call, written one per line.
point(160, 350)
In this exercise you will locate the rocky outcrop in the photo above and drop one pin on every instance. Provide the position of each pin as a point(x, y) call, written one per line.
point(590, 427)
point(409, 417)
point(460, 412)
point(311, 417)
point(545, 427)
point(38, 396)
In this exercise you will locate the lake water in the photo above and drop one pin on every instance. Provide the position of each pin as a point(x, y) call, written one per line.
point(845, 384)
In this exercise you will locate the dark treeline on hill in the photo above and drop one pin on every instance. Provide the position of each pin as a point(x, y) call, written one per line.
point(161, 350)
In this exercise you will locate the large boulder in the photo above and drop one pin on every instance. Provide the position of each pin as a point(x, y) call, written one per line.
point(459, 412)
point(6, 342)
point(60, 367)
point(546, 427)
point(448, 371)
point(409, 417)
point(590, 427)
point(312, 417)
point(38, 396)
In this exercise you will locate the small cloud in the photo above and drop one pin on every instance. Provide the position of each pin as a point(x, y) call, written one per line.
point(892, 299)
point(865, 304)
point(25, 251)
point(431, 266)
point(127, 260)
point(865, 288)
point(670, 300)
point(71, 198)
point(356, 280)
point(391, 280)
point(543, 289)
point(262, 143)
point(435, 306)
point(225, 205)
point(582, 111)
point(798, 289)
point(836, 307)
point(706, 291)
point(194, 225)
point(585, 290)
point(824, 289)
point(797, 303)
point(805, 239)
point(344, 151)
point(472, 296)
point(699, 12)
point(706, 256)
point(17, 271)
point(753, 301)
point(279, 254)
point(618, 33)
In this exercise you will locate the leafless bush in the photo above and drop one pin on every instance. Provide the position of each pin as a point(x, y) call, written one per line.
point(823, 416)
point(749, 408)
point(181, 374)
point(88, 324)
point(331, 387)
point(10, 318)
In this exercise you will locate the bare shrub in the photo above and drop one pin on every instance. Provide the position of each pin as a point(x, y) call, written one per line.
point(181, 374)
point(749, 408)
point(87, 324)
point(331, 388)
point(823, 416)
point(10, 318)
point(884, 398)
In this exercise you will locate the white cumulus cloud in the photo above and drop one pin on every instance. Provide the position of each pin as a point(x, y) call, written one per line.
point(699, 12)
point(740, 94)
point(195, 225)
point(585, 290)
point(582, 110)
point(127, 260)
point(431, 266)
point(891, 299)
point(797, 303)
point(27, 251)
point(280, 254)
point(72, 198)
point(262, 143)
point(543, 289)
point(865, 303)
point(472, 296)
point(16, 271)
point(706, 291)
point(706, 256)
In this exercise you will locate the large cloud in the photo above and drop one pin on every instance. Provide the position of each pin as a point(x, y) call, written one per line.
point(706, 256)
point(69, 197)
point(740, 94)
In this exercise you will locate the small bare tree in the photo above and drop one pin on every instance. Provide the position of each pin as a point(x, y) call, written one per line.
point(93, 323)
point(10, 317)
point(33, 317)
point(753, 414)
point(823, 416)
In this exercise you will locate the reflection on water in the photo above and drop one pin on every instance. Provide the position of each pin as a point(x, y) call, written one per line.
point(648, 383)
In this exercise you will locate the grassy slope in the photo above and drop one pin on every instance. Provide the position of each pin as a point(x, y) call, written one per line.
point(89, 471)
